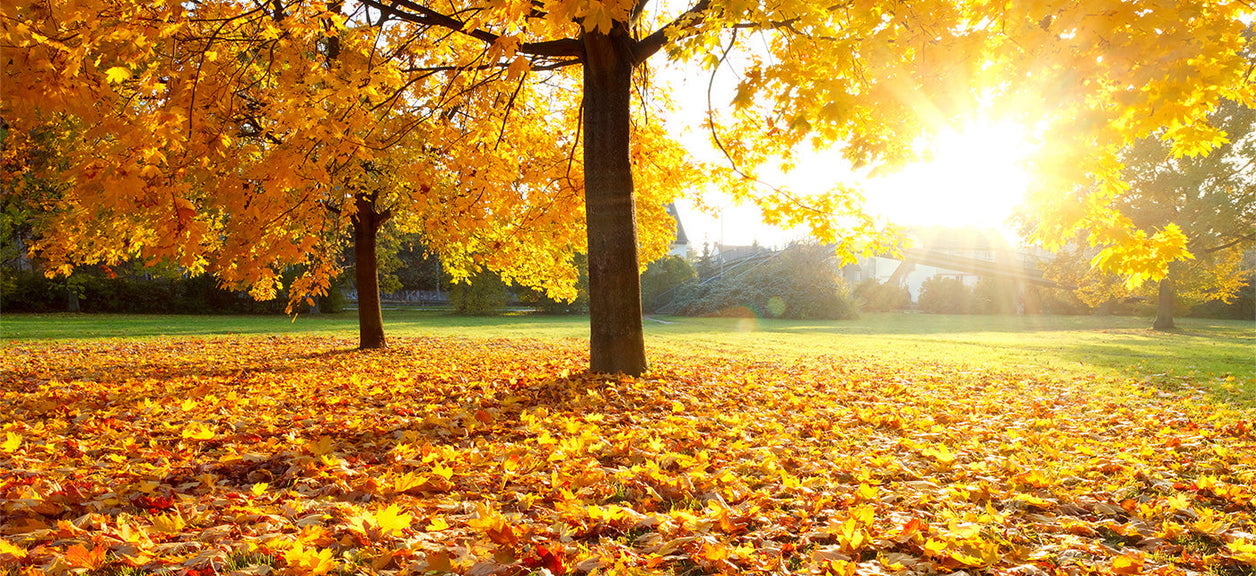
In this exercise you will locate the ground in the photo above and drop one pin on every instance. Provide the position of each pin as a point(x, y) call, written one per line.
point(266, 453)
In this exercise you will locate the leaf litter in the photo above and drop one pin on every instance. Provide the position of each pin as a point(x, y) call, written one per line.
point(285, 455)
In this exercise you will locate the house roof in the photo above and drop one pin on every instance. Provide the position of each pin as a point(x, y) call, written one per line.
point(681, 238)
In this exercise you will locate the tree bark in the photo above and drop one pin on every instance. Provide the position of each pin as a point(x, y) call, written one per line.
point(366, 223)
point(616, 345)
point(1164, 306)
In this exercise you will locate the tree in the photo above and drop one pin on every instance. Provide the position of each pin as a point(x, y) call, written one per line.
point(244, 140)
point(1210, 197)
point(870, 75)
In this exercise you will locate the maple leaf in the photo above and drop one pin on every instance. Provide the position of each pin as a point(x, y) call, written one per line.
point(198, 431)
point(1127, 565)
point(80, 557)
point(12, 441)
point(391, 521)
point(311, 562)
point(169, 523)
point(117, 74)
point(11, 549)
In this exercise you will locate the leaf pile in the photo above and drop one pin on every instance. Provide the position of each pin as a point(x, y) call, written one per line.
point(302, 456)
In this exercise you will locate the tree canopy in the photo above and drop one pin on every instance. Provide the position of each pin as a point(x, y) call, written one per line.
point(228, 134)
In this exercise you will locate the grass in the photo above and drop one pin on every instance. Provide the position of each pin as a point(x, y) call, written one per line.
point(1217, 356)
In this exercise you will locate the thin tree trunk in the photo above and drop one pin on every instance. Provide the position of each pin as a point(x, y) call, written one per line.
point(616, 344)
point(1164, 306)
point(366, 223)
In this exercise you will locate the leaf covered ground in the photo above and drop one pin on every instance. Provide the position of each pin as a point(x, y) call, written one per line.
point(299, 455)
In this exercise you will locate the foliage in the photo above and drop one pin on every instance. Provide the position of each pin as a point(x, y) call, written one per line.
point(995, 295)
point(547, 305)
point(489, 456)
point(1047, 300)
point(874, 296)
point(661, 279)
point(945, 295)
point(483, 293)
point(1215, 277)
point(800, 282)
point(1242, 307)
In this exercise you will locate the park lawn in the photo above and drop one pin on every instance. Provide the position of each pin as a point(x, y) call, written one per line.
point(1215, 356)
point(296, 454)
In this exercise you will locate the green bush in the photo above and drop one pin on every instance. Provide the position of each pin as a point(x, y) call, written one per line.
point(800, 282)
point(660, 280)
point(874, 296)
point(1241, 307)
point(993, 295)
point(944, 295)
point(485, 293)
point(128, 290)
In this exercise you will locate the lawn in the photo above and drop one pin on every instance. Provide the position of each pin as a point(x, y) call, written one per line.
point(1216, 356)
point(766, 451)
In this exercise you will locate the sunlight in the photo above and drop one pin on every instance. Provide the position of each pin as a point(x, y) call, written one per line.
point(974, 178)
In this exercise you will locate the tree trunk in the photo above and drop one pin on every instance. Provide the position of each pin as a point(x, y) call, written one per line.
point(366, 223)
point(1164, 306)
point(616, 343)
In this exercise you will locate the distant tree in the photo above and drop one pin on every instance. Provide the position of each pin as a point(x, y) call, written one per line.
point(876, 296)
point(483, 294)
point(945, 295)
point(1212, 198)
point(801, 282)
point(663, 276)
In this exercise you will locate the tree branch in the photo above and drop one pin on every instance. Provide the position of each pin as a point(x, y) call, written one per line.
point(648, 46)
point(419, 14)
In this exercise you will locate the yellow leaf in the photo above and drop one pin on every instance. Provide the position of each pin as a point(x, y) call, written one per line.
point(1240, 550)
point(198, 431)
point(677, 406)
point(437, 524)
point(259, 488)
point(1127, 565)
point(714, 552)
point(7, 547)
point(391, 521)
point(408, 481)
point(443, 471)
point(312, 562)
point(117, 74)
point(12, 441)
point(169, 523)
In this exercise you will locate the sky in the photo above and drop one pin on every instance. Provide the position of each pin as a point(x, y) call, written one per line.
point(974, 179)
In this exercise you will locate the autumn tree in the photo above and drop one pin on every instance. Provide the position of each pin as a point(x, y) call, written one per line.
point(867, 76)
point(1210, 198)
point(242, 140)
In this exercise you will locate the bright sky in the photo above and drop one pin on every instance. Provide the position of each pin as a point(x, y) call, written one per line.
point(974, 179)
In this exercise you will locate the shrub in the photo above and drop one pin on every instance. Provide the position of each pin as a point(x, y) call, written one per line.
point(661, 279)
point(874, 296)
point(993, 295)
point(945, 295)
point(483, 294)
point(800, 282)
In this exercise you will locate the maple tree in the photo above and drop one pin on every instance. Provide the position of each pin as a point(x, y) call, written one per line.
point(300, 456)
point(1211, 197)
point(867, 75)
point(244, 140)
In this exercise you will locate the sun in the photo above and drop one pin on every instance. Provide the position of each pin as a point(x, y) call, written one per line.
point(974, 176)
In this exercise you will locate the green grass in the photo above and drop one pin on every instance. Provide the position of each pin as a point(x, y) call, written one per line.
point(1218, 356)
